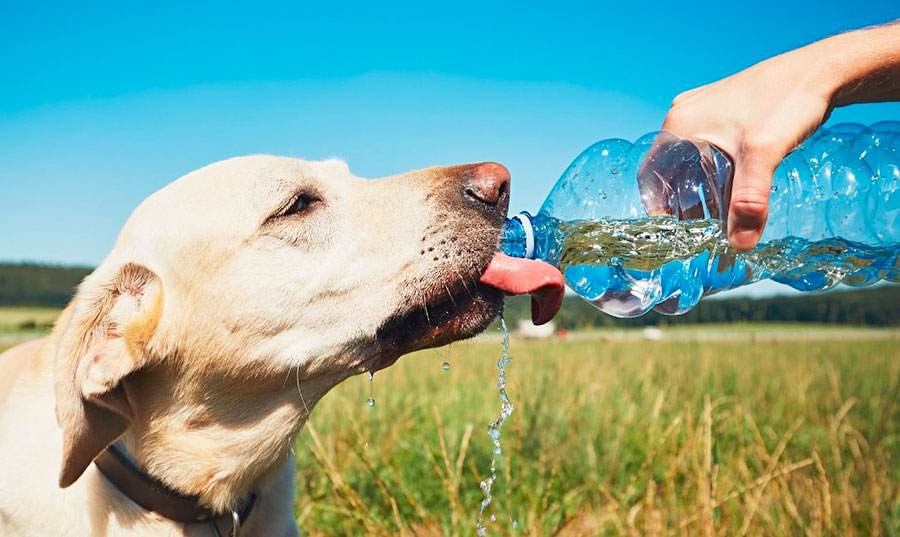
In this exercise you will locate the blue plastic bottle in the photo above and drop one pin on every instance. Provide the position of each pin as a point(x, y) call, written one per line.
point(640, 226)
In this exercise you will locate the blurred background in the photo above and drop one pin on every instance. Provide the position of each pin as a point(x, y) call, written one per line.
point(763, 412)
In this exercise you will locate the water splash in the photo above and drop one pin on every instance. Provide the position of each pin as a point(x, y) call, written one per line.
point(494, 428)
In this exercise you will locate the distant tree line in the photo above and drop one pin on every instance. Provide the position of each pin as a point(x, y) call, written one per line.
point(28, 284)
point(878, 306)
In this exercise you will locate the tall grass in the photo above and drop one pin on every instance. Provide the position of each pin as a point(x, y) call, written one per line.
point(651, 438)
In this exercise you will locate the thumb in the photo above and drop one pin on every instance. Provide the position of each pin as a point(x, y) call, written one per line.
point(749, 204)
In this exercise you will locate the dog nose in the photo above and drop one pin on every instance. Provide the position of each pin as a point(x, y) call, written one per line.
point(487, 182)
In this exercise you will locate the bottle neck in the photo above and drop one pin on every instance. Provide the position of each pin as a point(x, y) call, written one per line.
point(517, 237)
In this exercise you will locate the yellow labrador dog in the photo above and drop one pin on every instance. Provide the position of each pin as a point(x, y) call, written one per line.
point(169, 394)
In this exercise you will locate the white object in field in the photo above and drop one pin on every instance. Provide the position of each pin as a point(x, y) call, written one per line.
point(528, 330)
point(652, 333)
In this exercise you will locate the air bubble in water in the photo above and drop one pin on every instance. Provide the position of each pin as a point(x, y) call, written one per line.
point(602, 195)
point(774, 188)
point(445, 366)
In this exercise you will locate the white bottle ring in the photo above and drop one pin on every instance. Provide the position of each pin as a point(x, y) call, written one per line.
point(529, 234)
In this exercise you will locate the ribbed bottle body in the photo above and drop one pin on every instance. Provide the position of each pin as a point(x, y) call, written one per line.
point(640, 226)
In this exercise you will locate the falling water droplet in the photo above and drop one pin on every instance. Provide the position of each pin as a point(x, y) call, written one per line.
point(506, 408)
point(370, 402)
point(774, 188)
point(614, 170)
point(602, 195)
point(493, 518)
point(515, 524)
point(445, 366)
point(836, 194)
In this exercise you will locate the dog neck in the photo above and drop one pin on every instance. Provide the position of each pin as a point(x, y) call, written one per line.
point(219, 448)
point(130, 479)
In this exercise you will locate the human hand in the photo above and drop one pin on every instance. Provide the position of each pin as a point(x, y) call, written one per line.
point(756, 117)
point(762, 113)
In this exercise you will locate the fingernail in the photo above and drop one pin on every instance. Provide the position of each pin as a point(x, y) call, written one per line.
point(743, 238)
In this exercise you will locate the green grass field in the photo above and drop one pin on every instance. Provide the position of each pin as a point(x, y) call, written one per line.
point(18, 319)
point(621, 438)
point(615, 437)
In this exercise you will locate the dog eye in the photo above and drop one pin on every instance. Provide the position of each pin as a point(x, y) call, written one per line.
point(301, 204)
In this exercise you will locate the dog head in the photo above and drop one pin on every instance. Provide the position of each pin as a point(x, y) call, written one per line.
point(293, 264)
point(235, 282)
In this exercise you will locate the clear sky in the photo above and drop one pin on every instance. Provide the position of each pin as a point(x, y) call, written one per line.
point(103, 103)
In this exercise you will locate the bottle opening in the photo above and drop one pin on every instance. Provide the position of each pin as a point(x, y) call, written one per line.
point(517, 239)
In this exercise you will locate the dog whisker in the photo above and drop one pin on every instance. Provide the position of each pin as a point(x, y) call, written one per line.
point(302, 400)
point(462, 281)
point(425, 307)
point(451, 298)
point(287, 375)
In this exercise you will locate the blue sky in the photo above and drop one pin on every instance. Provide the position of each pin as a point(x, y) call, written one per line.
point(103, 103)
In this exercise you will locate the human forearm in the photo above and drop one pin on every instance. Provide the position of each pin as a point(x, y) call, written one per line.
point(864, 65)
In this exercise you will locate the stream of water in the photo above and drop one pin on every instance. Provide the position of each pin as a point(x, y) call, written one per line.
point(494, 429)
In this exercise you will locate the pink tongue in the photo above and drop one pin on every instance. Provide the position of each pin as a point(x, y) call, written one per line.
point(519, 276)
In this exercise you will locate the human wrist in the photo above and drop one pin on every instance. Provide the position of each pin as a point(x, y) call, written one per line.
point(834, 68)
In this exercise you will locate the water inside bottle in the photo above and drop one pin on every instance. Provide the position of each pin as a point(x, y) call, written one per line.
point(626, 267)
point(494, 429)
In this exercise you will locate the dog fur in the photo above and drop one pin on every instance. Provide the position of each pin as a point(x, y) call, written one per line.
point(233, 300)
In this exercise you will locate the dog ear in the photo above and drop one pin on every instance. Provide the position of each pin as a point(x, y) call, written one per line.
point(104, 341)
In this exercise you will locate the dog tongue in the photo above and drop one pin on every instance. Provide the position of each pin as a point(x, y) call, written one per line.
point(519, 276)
